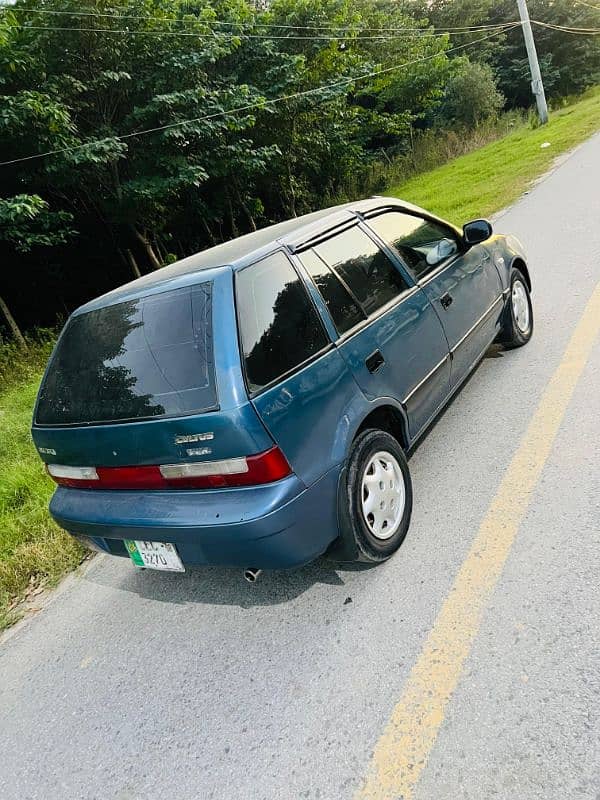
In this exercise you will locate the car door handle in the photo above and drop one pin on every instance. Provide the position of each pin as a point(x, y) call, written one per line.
point(375, 361)
point(446, 300)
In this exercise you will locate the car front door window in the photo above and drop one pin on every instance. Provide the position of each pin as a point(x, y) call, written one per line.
point(422, 243)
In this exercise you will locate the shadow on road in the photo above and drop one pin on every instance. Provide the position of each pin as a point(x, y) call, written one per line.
point(494, 351)
point(220, 585)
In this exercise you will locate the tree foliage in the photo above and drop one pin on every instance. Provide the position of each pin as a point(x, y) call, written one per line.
point(569, 62)
point(471, 94)
point(171, 125)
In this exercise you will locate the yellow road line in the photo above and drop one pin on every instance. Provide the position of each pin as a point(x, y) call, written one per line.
point(402, 751)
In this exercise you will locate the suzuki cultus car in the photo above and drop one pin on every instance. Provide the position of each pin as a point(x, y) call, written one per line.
point(253, 404)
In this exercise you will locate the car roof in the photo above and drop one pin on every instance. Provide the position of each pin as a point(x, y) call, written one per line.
point(243, 250)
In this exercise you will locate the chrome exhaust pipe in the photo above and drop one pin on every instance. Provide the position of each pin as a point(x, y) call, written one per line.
point(251, 574)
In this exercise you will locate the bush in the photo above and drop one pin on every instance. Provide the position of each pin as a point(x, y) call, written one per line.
point(18, 365)
point(471, 94)
point(430, 149)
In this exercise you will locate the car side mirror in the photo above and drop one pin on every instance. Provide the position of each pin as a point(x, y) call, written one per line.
point(477, 231)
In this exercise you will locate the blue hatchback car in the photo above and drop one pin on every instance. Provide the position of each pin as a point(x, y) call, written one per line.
point(253, 405)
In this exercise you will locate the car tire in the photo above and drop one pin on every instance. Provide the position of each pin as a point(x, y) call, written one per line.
point(378, 495)
point(517, 328)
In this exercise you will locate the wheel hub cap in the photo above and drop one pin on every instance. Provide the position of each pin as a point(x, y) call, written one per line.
point(383, 495)
point(520, 306)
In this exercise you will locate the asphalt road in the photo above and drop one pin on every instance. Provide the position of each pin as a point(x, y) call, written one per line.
point(142, 686)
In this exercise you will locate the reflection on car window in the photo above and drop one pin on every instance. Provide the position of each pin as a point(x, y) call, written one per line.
point(364, 268)
point(279, 326)
point(421, 243)
point(344, 311)
point(147, 357)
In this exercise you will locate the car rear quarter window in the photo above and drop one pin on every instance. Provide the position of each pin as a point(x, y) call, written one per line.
point(365, 269)
point(147, 357)
point(416, 239)
point(345, 312)
point(279, 326)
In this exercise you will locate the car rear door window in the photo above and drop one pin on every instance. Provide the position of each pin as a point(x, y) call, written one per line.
point(279, 325)
point(345, 311)
point(422, 244)
point(363, 267)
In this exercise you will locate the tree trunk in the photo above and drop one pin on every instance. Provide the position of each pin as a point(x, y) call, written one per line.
point(211, 237)
point(244, 207)
point(289, 170)
point(133, 264)
point(291, 193)
point(163, 251)
point(234, 228)
point(248, 214)
point(12, 324)
point(148, 249)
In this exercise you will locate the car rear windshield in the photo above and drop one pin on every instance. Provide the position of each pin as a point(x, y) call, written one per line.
point(148, 357)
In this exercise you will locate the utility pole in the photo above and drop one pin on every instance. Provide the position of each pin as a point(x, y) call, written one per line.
point(537, 85)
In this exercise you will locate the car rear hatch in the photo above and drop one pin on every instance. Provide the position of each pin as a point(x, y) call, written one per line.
point(131, 399)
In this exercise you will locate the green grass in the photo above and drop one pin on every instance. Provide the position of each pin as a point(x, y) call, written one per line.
point(493, 177)
point(33, 549)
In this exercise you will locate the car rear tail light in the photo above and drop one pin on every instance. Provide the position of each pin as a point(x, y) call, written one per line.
point(72, 476)
point(263, 468)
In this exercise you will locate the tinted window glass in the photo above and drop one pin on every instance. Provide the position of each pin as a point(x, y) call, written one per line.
point(345, 313)
point(279, 325)
point(367, 271)
point(147, 357)
point(421, 243)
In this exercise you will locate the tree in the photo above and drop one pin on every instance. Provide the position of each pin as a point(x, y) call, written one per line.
point(471, 94)
point(569, 62)
point(106, 87)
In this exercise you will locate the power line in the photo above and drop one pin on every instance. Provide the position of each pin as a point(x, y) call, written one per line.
point(567, 29)
point(255, 23)
point(241, 34)
point(261, 104)
point(589, 5)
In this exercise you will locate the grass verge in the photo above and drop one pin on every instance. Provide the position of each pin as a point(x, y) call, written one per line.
point(494, 176)
point(33, 550)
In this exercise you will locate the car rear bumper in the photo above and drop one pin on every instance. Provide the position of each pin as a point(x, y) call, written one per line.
point(276, 526)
